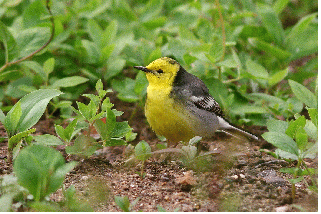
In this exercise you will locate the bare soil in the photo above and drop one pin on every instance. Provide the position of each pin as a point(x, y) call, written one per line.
point(238, 178)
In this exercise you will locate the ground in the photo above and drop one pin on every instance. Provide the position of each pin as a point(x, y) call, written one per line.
point(238, 177)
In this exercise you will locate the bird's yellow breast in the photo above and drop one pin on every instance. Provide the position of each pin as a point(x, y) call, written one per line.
point(167, 117)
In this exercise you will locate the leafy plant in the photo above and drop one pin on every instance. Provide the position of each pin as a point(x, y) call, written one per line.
point(124, 204)
point(41, 170)
point(142, 153)
point(24, 114)
point(296, 139)
point(97, 114)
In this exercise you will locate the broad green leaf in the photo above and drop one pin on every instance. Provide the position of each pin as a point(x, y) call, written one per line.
point(93, 51)
point(301, 138)
point(256, 69)
point(121, 129)
point(278, 77)
point(115, 66)
point(266, 98)
point(272, 23)
point(83, 146)
point(303, 38)
point(48, 140)
point(279, 5)
point(32, 39)
point(9, 43)
point(271, 49)
point(95, 32)
point(304, 94)
point(33, 106)
point(311, 130)
point(300, 27)
point(109, 33)
point(281, 141)
point(152, 9)
point(287, 155)
point(69, 130)
point(294, 125)
point(69, 82)
point(32, 15)
point(274, 125)
point(36, 167)
point(142, 151)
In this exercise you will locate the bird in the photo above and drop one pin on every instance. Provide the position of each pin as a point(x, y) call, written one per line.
point(179, 106)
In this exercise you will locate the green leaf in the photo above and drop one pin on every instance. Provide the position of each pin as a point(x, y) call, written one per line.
point(313, 113)
point(18, 137)
point(32, 39)
point(109, 33)
point(93, 51)
point(256, 69)
point(95, 32)
point(123, 203)
point(278, 77)
point(294, 125)
point(48, 140)
point(87, 111)
point(32, 15)
point(49, 66)
point(9, 43)
point(274, 125)
point(33, 106)
point(142, 151)
point(271, 49)
point(69, 82)
point(60, 132)
point(282, 141)
point(36, 67)
point(115, 66)
point(304, 94)
point(83, 146)
point(152, 10)
point(279, 5)
point(301, 138)
point(303, 38)
point(69, 130)
point(272, 23)
point(36, 167)
point(12, 119)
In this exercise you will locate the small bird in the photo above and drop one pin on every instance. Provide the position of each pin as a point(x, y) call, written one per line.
point(179, 106)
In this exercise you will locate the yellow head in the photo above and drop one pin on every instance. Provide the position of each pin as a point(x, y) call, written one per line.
point(161, 72)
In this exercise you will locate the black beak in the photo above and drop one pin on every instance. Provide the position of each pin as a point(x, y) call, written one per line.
point(142, 68)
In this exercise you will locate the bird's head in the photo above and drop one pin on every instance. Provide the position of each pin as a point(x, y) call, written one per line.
point(161, 71)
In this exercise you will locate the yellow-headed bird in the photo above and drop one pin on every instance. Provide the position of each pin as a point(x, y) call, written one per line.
point(179, 106)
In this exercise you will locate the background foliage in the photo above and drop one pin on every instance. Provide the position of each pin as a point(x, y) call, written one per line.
point(259, 59)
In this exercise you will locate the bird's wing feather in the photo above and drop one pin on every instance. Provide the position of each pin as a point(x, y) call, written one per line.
point(207, 103)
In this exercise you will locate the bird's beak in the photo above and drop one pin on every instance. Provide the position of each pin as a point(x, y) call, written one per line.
point(142, 68)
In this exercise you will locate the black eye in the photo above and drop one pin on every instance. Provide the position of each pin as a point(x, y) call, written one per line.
point(160, 71)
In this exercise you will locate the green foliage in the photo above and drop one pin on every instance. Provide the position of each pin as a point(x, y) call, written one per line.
point(124, 204)
point(296, 139)
point(41, 170)
point(97, 114)
point(252, 52)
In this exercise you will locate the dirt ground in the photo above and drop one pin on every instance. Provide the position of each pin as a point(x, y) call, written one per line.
point(239, 177)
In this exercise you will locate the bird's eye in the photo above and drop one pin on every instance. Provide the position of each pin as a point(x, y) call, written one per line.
point(160, 71)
